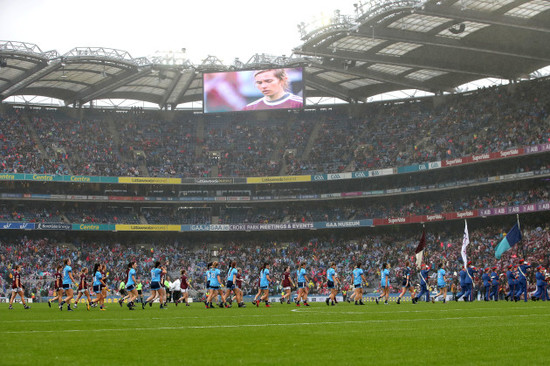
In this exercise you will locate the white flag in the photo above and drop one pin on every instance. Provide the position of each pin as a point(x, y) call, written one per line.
point(465, 242)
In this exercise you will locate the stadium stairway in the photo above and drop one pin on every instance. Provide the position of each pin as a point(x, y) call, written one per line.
point(311, 140)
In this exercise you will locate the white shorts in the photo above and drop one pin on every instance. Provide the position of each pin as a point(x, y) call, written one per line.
point(286, 288)
point(18, 289)
point(83, 291)
point(183, 291)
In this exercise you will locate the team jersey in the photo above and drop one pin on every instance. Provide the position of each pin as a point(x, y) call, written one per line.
point(16, 280)
point(331, 273)
point(183, 282)
point(105, 278)
point(239, 281)
point(441, 277)
point(130, 279)
point(66, 276)
point(97, 278)
point(357, 279)
point(407, 273)
point(263, 277)
point(214, 273)
point(302, 275)
point(231, 274)
point(155, 274)
point(58, 280)
point(286, 279)
point(288, 101)
point(385, 275)
point(82, 285)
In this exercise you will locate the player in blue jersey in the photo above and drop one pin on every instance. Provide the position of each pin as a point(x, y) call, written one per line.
point(131, 281)
point(156, 273)
point(302, 284)
point(358, 280)
point(441, 283)
point(215, 284)
point(332, 284)
point(230, 284)
point(68, 282)
point(384, 284)
point(98, 281)
point(265, 281)
point(406, 284)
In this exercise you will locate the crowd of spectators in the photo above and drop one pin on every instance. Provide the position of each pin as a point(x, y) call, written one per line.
point(40, 257)
point(120, 144)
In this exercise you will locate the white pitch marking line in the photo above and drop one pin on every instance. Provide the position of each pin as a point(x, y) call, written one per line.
point(261, 325)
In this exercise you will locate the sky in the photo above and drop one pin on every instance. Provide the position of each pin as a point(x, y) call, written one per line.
point(225, 29)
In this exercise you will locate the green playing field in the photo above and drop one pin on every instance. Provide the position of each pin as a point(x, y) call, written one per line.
point(495, 333)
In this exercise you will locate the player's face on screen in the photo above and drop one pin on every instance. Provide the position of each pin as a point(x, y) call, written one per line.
point(269, 85)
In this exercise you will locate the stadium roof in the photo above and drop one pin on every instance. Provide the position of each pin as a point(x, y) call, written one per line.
point(387, 45)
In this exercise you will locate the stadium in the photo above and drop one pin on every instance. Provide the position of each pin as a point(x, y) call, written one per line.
point(409, 139)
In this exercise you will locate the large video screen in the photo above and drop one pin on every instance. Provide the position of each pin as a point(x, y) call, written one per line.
point(253, 90)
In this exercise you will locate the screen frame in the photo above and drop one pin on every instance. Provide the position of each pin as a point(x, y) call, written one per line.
point(303, 82)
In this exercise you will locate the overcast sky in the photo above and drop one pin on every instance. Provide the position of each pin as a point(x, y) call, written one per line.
point(226, 29)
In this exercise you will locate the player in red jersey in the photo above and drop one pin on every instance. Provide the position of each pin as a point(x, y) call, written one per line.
point(288, 283)
point(184, 285)
point(83, 288)
point(239, 288)
point(58, 287)
point(273, 83)
point(103, 285)
point(17, 288)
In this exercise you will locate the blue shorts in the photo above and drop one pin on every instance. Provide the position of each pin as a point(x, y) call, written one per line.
point(301, 284)
point(263, 287)
point(230, 285)
point(130, 288)
point(330, 284)
point(97, 288)
point(66, 286)
point(214, 287)
point(384, 287)
point(155, 286)
point(357, 286)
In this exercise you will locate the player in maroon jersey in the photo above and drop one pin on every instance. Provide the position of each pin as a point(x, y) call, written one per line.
point(184, 285)
point(288, 283)
point(83, 288)
point(162, 289)
point(103, 286)
point(273, 84)
point(58, 286)
point(239, 288)
point(17, 288)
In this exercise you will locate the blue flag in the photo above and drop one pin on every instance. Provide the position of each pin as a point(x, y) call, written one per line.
point(513, 237)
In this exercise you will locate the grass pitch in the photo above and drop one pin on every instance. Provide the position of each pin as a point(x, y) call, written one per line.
point(495, 333)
